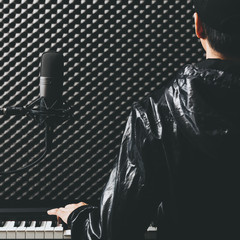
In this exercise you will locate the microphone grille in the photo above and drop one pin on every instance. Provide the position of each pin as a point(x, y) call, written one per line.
point(51, 64)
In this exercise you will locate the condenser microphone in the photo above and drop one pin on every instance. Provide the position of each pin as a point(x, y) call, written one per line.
point(51, 78)
point(49, 108)
point(51, 84)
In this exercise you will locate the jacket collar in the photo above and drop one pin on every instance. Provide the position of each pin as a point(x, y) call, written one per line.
point(221, 65)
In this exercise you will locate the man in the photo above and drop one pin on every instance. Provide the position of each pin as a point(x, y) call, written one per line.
point(180, 150)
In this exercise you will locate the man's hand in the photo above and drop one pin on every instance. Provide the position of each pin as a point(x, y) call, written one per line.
point(63, 213)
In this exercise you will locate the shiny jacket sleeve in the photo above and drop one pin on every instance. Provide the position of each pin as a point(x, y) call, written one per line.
point(136, 184)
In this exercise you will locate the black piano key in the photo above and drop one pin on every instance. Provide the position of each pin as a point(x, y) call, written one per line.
point(38, 223)
point(2, 223)
point(17, 223)
point(27, 224)
point(54, 223)
point(65, 226)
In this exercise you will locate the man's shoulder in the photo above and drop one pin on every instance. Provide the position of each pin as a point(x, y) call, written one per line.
point(157, 94)
point(185, 71)
point(186, 74)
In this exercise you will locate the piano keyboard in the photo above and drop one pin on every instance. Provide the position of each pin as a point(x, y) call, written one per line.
point(44, 230)
point(34, 223)
point(33, 230)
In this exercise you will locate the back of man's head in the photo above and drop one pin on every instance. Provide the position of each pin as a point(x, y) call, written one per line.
point(221, 22)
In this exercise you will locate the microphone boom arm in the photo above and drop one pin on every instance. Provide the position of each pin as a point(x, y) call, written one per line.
point(43, 115)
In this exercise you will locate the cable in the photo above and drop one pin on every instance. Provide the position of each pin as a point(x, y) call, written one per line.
point(33, 163)
point(43, 114)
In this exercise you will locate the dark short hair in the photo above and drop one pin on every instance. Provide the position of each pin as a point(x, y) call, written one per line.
point(224, 43)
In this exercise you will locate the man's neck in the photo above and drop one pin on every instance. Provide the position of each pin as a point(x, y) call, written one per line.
point(211, 53)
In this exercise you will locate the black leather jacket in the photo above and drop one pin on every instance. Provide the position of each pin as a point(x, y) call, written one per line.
point(179, 158)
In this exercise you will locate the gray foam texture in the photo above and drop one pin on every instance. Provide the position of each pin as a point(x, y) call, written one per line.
point(115, 53)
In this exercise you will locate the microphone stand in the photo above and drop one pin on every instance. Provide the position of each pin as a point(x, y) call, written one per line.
point(43, 114)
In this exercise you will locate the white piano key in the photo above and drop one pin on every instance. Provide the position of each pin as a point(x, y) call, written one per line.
point(3, 230)
point(30, 231)
point(152, 229)
point(58, 232)
point(49, 231)
point(151, 233)
point(39, 231)
point(11, 230)
point(67, 234)
point(21, 231)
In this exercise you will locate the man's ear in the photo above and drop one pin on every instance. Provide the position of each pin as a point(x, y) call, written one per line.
point(199, 30)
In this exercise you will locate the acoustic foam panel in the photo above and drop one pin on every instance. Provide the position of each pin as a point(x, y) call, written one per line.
point(115, 53)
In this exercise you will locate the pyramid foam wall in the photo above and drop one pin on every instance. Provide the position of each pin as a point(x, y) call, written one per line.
point(115, 53)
